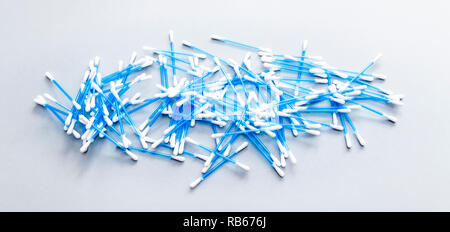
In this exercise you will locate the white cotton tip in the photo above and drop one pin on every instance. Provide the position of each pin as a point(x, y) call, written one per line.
point(92, 103)
point(171, 140)
point(275, 127)
point(332, 88)
point(76, 134)
point(270, 66)
point(321, 81)
point(348, 142)
point(316, 70)
point(148, 48)
point(242, 147)
point(107, 120)
point(397, 102)
point(196, 182)
point(267, 59)
point(312, 125)
point(243, 166)
point(376, 58)
point(84, 135)
point(205, 169)
point(321, 75)
point(148, 139)
point(294, 132)
point(97, 88)
point(361, 140)
point(85, 146)
point(178, 158)
point(397, 96)
point(304, 45)
point(379, 76)
point(120, 65)
point(101, 135)
point(200, 55)
point(166, 131)
point(391, 118)
point(338, 95)
point(366, 78)
point(131, 155)
point(289, 57)
point(91, 66)
point(87, 107)
point(283, 161)
point(68, 119)
point(105, 110)
point(338, 100)
point(217, 37)
point(181, 102)
point(276, 161)
point(278, 170)
point(133, 57)
point(77, 106)
point(200, 156)
point(191, 140)
point(262, 53)
point(341, 74)
point(85, 76)
point(175, 148)
point(157, 142)
point(312, 132)
point(217, 135)
point(215, 69)
point(96, 60)
point(181, 147)
point(49, 97)
point(281, 147)
point(354, 93)
point(216, 60)
point(219, 123)
point(170, 35)
point(186, 43)
point(191, 62)
point(344, 110)
point(49, 76)
point(145, 62)
point(40, 100)
point(83, 119)
point(300, 103)
point(115, 118)
point(319, 91)
point(126, 142)
point(248, 78)
point(361, 87)
point(270, 133)
point(144, 77)
point(312, 96)
point(143, 142)
point(337, 127)
point(386, 91)
point(247, 61)
point(354, 107)
point(227, 151)
point(292, 158)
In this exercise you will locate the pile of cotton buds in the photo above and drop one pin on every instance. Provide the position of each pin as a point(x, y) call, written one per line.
point(229, 95)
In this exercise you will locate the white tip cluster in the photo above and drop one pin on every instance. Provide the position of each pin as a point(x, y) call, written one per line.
point(49, 76)
point(248, 99)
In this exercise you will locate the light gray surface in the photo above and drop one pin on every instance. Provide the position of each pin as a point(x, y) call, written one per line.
point(404, 167)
